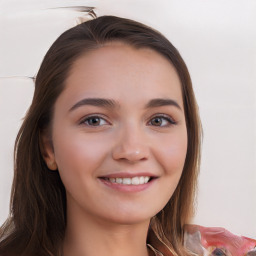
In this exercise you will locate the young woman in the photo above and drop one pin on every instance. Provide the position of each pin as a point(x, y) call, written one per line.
point(107, 158)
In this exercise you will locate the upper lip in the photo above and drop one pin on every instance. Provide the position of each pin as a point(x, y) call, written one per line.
point(128, 175)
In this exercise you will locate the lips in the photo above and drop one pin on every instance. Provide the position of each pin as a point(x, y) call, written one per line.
point(128, 181)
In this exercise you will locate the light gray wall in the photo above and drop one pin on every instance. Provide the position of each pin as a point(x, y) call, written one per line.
point(217, 39)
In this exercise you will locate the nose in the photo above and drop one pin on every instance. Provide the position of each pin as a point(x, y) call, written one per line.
point(131, 146)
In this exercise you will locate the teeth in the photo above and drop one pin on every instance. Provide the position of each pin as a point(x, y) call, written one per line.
point(142, 180)
point(146, 179)
point(136, 180)
point(130, 181)
point(119, 180)
point(112, 180)
point(127, 181)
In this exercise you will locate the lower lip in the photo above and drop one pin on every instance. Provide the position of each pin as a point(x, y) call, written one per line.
point(128, 188)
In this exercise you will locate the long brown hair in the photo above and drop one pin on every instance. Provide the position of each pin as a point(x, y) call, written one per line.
point(37, 221)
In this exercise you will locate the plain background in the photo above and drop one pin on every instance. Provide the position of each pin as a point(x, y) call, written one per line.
point(217, 39)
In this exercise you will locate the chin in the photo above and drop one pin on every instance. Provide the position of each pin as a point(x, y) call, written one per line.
point(130, 217)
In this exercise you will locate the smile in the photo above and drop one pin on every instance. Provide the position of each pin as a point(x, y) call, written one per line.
point(130, 181)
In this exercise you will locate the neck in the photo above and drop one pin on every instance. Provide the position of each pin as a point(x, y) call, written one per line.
point(87, 236)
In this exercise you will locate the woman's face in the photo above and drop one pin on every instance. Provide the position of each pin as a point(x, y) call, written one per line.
point(119, 134)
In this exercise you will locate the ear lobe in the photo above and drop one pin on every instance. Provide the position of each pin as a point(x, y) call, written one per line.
point(47, 151)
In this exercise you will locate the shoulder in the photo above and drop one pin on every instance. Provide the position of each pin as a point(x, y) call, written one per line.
point(217, 242)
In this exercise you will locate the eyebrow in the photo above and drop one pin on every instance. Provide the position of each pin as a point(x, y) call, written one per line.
point(162, 102)
point(98, 102)
point(111, 104)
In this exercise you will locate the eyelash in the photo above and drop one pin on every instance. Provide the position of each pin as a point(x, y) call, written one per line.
point(166, 118)
point(86, 119)
point(161, 116)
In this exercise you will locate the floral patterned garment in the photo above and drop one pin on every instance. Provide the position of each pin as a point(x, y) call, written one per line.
point(217, 242)
point(203, 241)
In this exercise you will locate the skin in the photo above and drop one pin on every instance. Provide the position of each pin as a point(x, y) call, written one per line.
point(126, 140)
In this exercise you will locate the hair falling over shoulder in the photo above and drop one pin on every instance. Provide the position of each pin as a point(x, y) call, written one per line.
point(37, 221)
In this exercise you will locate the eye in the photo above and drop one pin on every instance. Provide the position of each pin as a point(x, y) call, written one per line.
point(94, 121)
point(162, 121)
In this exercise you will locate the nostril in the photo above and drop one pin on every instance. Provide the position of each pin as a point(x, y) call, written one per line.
point(129, 154)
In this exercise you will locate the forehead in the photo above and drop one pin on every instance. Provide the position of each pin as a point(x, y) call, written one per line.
point(121, 54)
point(116, 68)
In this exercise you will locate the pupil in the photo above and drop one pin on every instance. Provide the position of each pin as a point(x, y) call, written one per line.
point(157, 121)
point(94, 121)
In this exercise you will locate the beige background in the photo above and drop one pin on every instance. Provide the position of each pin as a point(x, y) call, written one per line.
point(217, 39)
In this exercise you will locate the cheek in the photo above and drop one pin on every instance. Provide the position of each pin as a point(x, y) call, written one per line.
point(172, 152)
point(170, 155)
point(79, 158)
point(79, 153)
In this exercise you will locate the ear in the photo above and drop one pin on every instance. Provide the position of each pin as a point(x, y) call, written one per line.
point(47, 150)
